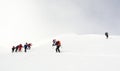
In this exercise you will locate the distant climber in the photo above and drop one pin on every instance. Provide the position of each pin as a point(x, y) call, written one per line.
point(25, 47)
point(13, 49)
point(58, 45)
point(20, 47)
point(54, 42)
point(107, 35)
point(16, 48)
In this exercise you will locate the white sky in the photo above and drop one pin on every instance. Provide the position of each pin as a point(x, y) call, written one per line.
point(32, 20)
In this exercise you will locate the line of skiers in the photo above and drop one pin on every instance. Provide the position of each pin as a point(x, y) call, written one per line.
point(19, 47)
point(56, 43)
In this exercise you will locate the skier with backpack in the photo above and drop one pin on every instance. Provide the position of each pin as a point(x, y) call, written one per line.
point(16, 48)
point(20, 47)
point(25, 47)
point(58, 45)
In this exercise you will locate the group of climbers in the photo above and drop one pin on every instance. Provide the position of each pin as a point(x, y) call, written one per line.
point(19, 47)
point(56, 43)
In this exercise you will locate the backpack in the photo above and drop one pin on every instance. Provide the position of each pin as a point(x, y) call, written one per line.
point(58, 43)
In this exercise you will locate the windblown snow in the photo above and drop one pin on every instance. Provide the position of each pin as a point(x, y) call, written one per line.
point(78, 53)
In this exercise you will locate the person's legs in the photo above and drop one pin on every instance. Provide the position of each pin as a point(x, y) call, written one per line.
point(56, 49)
point(107, 36)
point(59, 49)
point(16, 49)
point(25, 50)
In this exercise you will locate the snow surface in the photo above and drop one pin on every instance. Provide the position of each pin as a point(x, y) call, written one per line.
point(78, 53)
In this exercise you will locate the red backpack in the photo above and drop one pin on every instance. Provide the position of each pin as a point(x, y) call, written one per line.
point(58, 43)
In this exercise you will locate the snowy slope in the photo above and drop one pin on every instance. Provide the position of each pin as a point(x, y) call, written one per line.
point(79, 53)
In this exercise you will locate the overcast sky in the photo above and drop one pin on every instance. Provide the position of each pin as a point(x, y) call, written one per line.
point(27, 20)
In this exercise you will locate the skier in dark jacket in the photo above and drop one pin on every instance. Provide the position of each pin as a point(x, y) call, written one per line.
point(16, 48)
point(25, 47)
point(106, 34)
point(58, 44)
point(13, 48)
